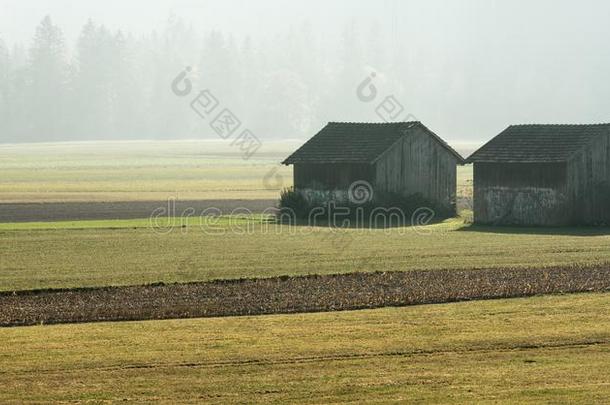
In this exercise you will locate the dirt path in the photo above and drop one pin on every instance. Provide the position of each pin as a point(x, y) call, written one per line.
point(74, 211)
point(291, 294)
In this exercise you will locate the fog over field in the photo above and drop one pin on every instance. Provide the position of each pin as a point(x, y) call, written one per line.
point(86, 70)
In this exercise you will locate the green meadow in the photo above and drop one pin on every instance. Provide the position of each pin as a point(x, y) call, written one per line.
point(526, 350)
point(123, 252)
point(134, 251)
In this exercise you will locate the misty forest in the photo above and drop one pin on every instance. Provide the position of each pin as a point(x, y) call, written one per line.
point(113, 85)
point(466, 71)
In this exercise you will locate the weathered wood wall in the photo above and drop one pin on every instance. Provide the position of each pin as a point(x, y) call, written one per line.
point(589, 182)
point(521, 194)
point(550, 194)
point(418, 163)
point(331, 176)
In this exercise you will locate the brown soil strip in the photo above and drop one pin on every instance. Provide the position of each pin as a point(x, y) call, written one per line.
point(77, 211)
point(291, 294)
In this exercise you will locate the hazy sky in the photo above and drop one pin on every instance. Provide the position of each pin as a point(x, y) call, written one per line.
point(477, 65)
point(19, 17)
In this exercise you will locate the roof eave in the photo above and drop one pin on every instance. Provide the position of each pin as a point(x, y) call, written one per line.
point(443, 143)
point(562, 160)
point(316, 161)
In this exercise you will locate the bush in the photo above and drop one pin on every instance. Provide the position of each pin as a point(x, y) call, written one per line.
point(293, 201)
point(300, 205)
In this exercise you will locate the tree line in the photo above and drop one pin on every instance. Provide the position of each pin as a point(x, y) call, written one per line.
point(114, 85)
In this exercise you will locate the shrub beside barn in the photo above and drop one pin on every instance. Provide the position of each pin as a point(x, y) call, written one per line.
point(543, 175)
point(402, 159)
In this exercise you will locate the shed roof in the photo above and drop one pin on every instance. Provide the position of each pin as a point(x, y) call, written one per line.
point(537, 143)
point(356, 142)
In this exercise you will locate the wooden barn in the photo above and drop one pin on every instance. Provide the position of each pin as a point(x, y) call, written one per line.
point(543, 175)
point(403, 158)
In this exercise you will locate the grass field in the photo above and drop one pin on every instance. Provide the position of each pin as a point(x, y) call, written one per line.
point(147, 170)
point(100, 253)
point(553, 349)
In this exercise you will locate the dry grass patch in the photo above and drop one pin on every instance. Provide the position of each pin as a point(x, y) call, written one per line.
point(551, 348)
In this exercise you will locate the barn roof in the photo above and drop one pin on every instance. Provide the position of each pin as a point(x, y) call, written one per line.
point(537, 143)
point(356, 142)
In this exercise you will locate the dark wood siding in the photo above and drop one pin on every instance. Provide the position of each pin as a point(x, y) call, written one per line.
point(521, 194)
point(589, 182)
point(418, 163)
point(330, 176)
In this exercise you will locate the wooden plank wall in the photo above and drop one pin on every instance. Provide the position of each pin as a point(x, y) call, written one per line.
point(521, 194)
point(589, 182)
point(418, 163)
point(331, 176)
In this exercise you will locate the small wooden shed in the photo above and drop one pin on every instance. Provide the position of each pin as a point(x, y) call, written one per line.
point(403, 158)
point(543, 175)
